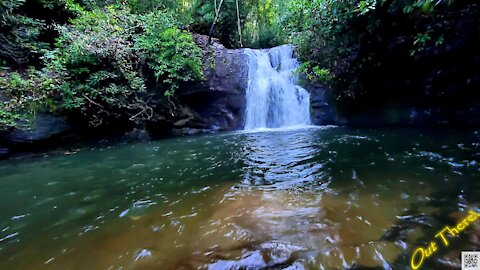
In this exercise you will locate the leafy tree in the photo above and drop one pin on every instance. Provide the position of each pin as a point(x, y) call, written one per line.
point(18, 33)
point(103, 55)
point(102, 63)
point(22, 96)
point(259, 20)
point(349, 38)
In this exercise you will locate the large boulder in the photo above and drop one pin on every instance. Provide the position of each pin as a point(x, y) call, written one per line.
point(42, 131)
point(42, 127)
point(4, 152)
point(321, 102)
point(219, 100)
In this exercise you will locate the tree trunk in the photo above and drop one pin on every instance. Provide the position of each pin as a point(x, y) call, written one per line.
point(212, 28)
point(239, 25)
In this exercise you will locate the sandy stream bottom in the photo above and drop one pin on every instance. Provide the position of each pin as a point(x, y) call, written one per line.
point(228, 228)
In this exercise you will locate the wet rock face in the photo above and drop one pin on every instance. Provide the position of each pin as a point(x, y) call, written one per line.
point(4, 152)
point(321, 102)
point(218, 102)
point(403, 115)
point(43, 130)
point(43, 127)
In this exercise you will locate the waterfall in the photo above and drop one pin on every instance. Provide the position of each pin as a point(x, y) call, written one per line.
point(274, 99)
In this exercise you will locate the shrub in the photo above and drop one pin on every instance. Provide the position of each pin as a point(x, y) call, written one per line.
point(101, 60)
point(21, 96)
point(168, 51)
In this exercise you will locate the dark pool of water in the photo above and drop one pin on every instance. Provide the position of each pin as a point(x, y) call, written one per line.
point(313, 198)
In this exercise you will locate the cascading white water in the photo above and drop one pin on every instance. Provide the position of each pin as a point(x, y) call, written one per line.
point(274, 99)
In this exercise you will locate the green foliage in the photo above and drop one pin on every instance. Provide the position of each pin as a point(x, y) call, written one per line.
point(420, 42)
point(21, 96)
point(315, 73)
point(102, 56)
point(26, 29)
point(317, 29)
point(18, 33)
point(168, 51)
point(328, 34)
point(322, 74)
point(365, 6)
point(97, 65)
point(135, 6)
point(425, 6)
point(260, 21)
point(101, 66)
point(145, 6)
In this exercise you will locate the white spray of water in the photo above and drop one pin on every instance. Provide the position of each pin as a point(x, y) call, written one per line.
point(274, 100)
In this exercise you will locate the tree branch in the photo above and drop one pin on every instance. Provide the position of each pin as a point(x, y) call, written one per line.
point(212, 28)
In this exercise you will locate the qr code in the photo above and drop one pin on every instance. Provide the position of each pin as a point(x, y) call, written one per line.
point(470, 260)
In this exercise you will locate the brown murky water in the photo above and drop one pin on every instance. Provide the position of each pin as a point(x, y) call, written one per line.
point(328, 198)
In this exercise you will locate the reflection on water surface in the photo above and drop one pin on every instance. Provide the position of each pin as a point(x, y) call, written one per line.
point(328, 198)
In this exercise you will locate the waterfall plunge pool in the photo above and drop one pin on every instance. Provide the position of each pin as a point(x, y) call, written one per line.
point(331, 198)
